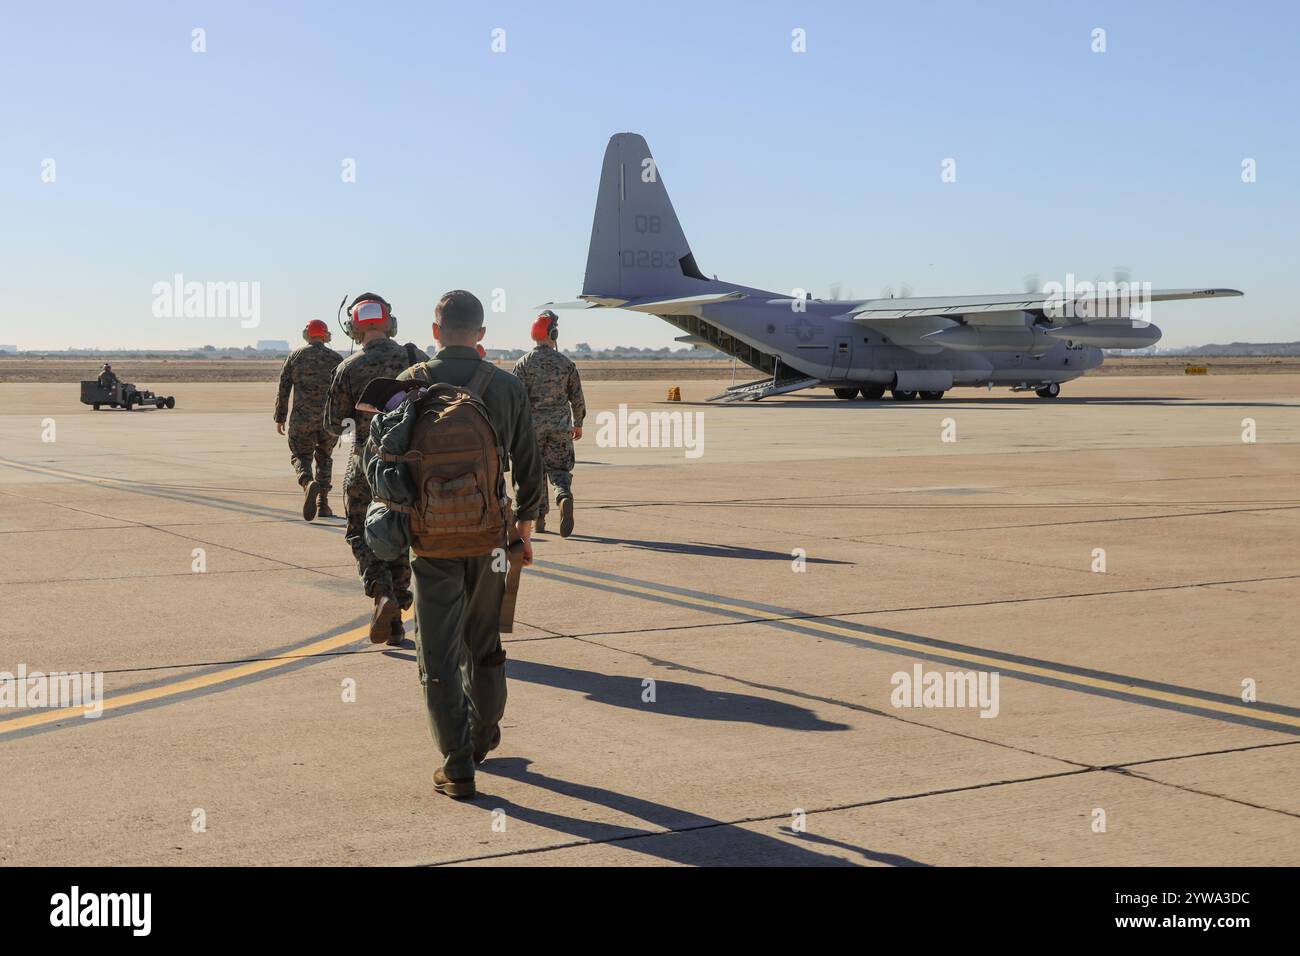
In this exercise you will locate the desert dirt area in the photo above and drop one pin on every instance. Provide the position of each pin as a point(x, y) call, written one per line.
point(715, 668)
point(145, 371)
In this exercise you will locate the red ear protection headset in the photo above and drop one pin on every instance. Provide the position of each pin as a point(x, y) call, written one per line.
point(546, 326)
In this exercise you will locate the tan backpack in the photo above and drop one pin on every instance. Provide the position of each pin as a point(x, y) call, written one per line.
point(455, 460)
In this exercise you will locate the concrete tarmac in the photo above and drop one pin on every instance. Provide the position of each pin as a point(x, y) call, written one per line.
point(710, 670)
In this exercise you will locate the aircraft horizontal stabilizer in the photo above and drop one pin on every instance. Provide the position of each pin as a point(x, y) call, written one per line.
point(569, 305)
point(683, 305)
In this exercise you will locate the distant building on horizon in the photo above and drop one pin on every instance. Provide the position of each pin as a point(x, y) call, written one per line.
point(8, 348)
point(272, 345)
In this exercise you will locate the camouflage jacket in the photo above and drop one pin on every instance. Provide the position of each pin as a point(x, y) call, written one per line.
point(307, 372)
point(553, 386)
point(380, 358)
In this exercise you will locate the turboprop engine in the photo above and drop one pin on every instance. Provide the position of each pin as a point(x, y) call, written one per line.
point(1108, 335)
point(1031, 339)
point(1034, 339)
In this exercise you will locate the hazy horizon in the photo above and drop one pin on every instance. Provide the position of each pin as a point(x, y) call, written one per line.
point(133, 159)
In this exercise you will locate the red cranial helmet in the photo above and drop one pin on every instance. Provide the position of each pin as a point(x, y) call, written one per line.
point(369, 312)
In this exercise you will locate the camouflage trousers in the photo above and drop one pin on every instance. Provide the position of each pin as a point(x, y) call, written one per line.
point(558, 458)
point(377, 575)
point(308, 446)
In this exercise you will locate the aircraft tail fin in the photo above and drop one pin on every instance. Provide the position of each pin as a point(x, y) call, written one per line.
point(637, 246)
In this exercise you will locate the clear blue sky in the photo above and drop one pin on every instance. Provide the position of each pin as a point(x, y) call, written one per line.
point(478, 170)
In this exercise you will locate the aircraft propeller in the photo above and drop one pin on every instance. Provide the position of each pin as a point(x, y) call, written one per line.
point(904, 292)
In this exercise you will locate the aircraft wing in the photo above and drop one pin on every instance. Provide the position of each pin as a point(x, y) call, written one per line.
point(996, 309)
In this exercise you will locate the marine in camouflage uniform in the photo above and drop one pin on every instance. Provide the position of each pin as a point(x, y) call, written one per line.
point(378, 358)
point(555, 391)
point(308, 372)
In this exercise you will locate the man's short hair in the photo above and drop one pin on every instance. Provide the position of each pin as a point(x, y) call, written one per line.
point(460, 311)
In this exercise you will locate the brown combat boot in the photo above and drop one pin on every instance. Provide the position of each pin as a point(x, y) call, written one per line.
point(566, 517)
point(456, 789)
point(387, 610)
point(311, 497)
point(540, 526)
point(323, 508)
point(398, 636)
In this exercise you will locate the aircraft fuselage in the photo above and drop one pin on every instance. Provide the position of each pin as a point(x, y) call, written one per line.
point(813, 338)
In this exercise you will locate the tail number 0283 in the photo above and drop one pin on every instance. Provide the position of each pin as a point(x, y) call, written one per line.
point(648, 259)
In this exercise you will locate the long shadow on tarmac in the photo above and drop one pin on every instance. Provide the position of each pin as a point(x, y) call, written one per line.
point(1005, 404)
point(726, 844)
point(702, 550)
point(672, 699)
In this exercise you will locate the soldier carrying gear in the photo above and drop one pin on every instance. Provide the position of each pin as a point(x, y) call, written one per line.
point(458, 596)
point(307, 372)
point(107, 378)
point(371, 324)
point(555, 390)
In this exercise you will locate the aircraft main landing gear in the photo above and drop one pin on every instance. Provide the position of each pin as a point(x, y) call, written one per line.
point(903, 395)
point(873, 393)
point(931, 396)
point(1048, 391)
point(845, 393)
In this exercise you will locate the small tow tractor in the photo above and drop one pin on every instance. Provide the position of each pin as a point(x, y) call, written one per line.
point(122, 395)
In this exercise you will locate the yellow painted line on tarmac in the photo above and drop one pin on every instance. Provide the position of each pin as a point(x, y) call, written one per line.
point(179, 687)
point(576, 576)
point(186, 685)
point(325, 645)
point(991, 663)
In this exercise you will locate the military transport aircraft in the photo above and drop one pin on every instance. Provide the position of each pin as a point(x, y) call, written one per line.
point(913, 347)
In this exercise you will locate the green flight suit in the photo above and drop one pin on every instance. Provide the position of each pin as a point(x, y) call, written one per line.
point(458, 600)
